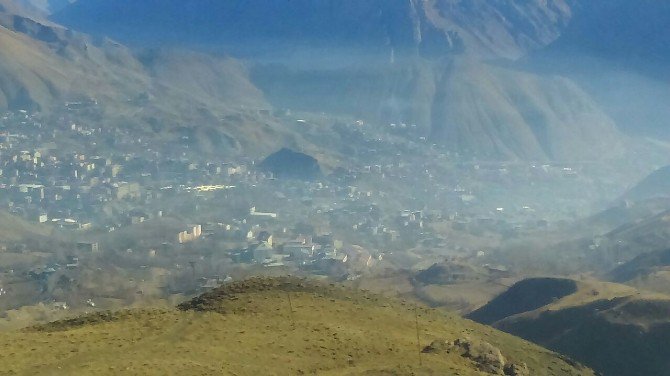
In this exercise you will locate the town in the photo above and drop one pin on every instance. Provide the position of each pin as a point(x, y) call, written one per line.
point(120, 222)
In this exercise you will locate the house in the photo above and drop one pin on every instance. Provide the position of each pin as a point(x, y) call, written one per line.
point(186, 237)
point(265, 237)
point(254, 213)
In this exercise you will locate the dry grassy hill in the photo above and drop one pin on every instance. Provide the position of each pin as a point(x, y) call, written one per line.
point(252, 328)
point(613, 328)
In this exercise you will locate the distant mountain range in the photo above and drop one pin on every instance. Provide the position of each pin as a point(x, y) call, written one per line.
point(433, 27)
point(160, 94)
point(448, 67)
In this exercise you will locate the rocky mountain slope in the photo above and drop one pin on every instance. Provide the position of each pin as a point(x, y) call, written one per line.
point(612, 328)
point(500, 28)
point(157, 94)
point(284, 326)
point(428, 63)
point(414, 62)
point(44, 63)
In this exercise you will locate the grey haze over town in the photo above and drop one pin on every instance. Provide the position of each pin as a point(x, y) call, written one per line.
point(501, 166)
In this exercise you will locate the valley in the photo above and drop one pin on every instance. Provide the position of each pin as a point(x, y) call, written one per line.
point(408, 163)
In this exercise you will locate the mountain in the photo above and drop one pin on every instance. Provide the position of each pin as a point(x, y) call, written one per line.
point(649, 271)
point(633, 239)
point(415, 62)
point(618, 51)
point(473, 108)
point(656, 185)
point(156, 93)
point(526, 295)
point(612, 328)
point(635, 39)
point(500, 28)
point(40, 62)
point(641, 265)
point(282, 325)
point(595, 245)
point(488, 110)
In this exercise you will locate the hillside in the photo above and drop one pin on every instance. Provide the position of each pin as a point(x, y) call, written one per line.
point(622, 64)
point(649, 271)
point(631, 240)
point(524, 296)
point(597, 244)
point(656, 185)
point(641, 265)
point(473, 108)
point(414, 62)
point(157, 94)
point(636, 39)
point(291, 164)
point(251, 328)
point(428, 27)
point(487, 110)
point(13, 228)
point(612, 328)
point(40, 62)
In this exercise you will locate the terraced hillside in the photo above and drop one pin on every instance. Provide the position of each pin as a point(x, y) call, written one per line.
point(279, 326)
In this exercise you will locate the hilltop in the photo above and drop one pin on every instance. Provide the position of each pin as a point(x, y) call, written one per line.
point(252, 327)
point(613, 328)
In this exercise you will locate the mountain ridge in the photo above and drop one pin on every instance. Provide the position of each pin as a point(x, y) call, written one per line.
point(613, 328)
point(420, 70)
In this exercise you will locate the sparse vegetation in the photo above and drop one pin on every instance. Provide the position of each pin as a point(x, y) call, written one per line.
point(331, 330)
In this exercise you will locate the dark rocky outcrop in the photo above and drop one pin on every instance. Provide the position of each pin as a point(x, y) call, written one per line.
point(289, 164)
